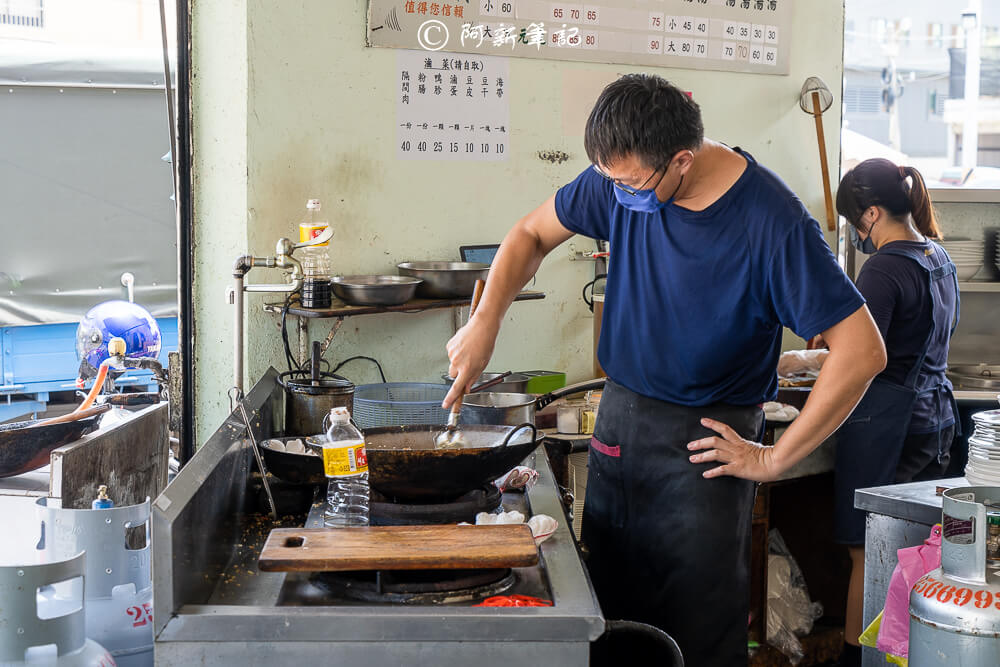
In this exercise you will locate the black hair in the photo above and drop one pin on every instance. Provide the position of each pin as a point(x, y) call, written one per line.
point(642, 115)
point(880, 182)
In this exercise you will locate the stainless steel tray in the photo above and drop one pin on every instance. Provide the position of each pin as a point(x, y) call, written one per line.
point(375, 290)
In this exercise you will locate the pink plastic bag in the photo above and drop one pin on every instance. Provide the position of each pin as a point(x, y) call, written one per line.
point(914, 562)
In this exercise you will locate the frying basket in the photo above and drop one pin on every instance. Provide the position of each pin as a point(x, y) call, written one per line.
point(399, 404)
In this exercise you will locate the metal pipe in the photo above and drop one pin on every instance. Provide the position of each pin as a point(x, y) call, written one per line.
point(145, 363)
point(241, 267)
point(171, 125)
point(238, 330)
point(185, 226)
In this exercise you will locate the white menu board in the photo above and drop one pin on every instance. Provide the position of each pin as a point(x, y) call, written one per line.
point(452, 107)
point(736, 35)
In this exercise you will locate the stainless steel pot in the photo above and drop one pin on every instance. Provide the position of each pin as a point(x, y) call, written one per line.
point(512, 409)
point(515, 383)
point(307, 401)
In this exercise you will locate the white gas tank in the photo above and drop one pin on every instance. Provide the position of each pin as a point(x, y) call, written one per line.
point(955, 609)
point(119, 592)
point(53, 635)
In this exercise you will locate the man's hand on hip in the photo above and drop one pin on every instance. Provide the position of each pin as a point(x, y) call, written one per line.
point(739, 457)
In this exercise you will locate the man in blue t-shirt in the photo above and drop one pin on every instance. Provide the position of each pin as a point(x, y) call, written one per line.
point(711, 256)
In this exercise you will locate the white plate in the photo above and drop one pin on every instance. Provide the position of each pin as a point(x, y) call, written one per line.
point(981, 477)
point(976, 480)
point(985, 468)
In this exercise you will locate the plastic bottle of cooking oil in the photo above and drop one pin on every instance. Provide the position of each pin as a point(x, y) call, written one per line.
point(346, 467)
point(315, 259)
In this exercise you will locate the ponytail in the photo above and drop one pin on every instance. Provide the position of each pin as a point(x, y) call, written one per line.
point(920, 204)
point(879, 182)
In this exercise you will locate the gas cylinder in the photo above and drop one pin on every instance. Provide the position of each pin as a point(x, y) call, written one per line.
point(55, 635)
point(955, 609)
point(119, 593)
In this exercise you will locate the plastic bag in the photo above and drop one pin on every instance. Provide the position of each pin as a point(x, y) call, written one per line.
point(869, 638)
point(521, 478)
point(797, 362)
point(790, 612)
point(914, 562)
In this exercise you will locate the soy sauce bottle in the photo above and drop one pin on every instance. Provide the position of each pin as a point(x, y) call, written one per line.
point(316, 291)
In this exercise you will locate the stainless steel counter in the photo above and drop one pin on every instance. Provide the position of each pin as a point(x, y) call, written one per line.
point(899, 516)
point(214, 607)
point(917, 501)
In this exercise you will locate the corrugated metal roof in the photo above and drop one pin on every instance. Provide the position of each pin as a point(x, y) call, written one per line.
point(24, 62)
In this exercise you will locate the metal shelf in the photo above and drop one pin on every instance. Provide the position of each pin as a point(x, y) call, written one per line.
point(977, 286)
point(340, 309)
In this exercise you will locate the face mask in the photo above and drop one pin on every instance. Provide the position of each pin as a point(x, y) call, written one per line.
point(867, 246)
point(645, 201)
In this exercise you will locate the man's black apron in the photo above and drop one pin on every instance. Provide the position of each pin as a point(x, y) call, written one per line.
point(667, 546)
point(870, 442)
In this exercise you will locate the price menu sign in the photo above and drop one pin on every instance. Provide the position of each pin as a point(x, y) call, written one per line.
point(452, 107)
point(734, 35)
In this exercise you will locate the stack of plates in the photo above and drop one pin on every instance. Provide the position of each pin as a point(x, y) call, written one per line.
point(992, 236)
point(968, 256)
point(983, 468)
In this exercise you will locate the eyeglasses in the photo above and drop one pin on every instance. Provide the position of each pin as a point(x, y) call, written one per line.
point(628, 189)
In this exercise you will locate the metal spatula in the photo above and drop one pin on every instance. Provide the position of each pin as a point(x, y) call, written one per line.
point(451, 436)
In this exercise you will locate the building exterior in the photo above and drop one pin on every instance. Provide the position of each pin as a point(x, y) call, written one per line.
point(913, 112)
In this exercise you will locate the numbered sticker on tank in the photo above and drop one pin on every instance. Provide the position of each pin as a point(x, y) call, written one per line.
point(958, 531)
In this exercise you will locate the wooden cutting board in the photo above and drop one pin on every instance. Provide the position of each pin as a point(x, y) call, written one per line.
point(398, 548)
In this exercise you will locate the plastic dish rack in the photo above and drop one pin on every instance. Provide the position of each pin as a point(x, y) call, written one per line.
point(399, 404)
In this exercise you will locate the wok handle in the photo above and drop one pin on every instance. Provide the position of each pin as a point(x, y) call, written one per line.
point(489, 383)
point(517, 429)
point(73, 416)
point(589, 385)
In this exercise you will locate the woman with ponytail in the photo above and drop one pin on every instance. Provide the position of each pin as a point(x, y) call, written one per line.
point(903, 428)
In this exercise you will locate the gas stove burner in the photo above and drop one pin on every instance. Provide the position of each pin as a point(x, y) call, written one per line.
point(385, 512)
point(416, 586)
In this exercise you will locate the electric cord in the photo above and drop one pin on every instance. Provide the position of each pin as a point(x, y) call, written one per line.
point(590, 285)
point(289, 359)
point(374, 361)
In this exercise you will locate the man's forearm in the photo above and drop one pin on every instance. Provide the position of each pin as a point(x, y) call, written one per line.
point(840, 386)
point(516, 262)
point(857, 354)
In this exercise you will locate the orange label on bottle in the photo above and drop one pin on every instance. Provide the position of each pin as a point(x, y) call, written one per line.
point(345, 461)
point(308, 231)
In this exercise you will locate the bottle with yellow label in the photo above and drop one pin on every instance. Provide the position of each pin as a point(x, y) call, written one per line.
point(316, 290)
point(346, 467)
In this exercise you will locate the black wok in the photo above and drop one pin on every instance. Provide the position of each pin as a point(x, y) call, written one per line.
point(305, 467)
point(26, 446)
point(405, 464)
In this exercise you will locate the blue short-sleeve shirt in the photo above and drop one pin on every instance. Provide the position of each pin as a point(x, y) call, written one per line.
point(696, 300)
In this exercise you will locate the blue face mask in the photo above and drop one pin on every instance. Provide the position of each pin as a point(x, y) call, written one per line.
point(645, 201)
point(866, 246)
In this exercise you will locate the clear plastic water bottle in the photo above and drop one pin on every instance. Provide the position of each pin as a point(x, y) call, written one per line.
point(316, 291)
point(346, 467)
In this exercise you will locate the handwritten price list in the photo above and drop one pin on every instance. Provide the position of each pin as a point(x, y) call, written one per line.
point(452, 108)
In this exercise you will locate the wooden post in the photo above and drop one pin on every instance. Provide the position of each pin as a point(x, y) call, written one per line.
point(818, 115)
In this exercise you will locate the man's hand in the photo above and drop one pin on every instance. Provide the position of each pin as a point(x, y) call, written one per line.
point(469, 351)
point(740, 457)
